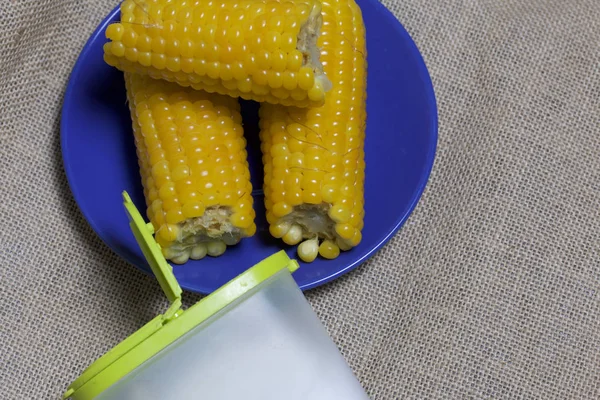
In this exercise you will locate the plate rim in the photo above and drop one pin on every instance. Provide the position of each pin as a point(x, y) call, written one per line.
point(429, 91)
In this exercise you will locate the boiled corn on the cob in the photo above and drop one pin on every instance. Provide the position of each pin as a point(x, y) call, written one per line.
point(192, 159)
point(314, 158)
point(264, 50)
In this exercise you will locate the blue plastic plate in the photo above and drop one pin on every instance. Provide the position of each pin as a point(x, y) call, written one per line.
point(100, 159)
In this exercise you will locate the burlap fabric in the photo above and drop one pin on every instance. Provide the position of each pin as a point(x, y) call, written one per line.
point(491, 290)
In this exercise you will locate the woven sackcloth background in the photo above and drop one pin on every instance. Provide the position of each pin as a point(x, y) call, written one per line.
point(492, 288)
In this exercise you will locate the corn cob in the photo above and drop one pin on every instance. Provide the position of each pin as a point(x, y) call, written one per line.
point(314, 158)
point(263, 50)
point(192, 159)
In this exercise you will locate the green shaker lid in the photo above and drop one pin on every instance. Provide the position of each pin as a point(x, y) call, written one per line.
point(175, 322)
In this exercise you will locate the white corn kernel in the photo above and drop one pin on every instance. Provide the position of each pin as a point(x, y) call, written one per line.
point(308, 250)
point(198, 252)
point(216, 248)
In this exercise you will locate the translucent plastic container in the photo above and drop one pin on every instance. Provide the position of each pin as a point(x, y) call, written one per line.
point(255, 338)
point(270, 345)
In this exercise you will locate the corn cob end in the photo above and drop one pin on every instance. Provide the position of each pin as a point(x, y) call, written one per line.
point(307, 224)
point(208, 234)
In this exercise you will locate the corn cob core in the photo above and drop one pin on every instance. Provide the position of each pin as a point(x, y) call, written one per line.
point(264, 50)
point(314, 158)
point(192, 159)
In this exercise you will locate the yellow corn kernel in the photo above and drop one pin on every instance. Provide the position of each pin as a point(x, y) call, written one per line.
point(329, 250)
point(264, 50)
point(279, 230)
point(314, 158)
point(192, 159)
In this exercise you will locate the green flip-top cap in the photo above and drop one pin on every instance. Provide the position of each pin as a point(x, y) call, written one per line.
point(175, 322)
